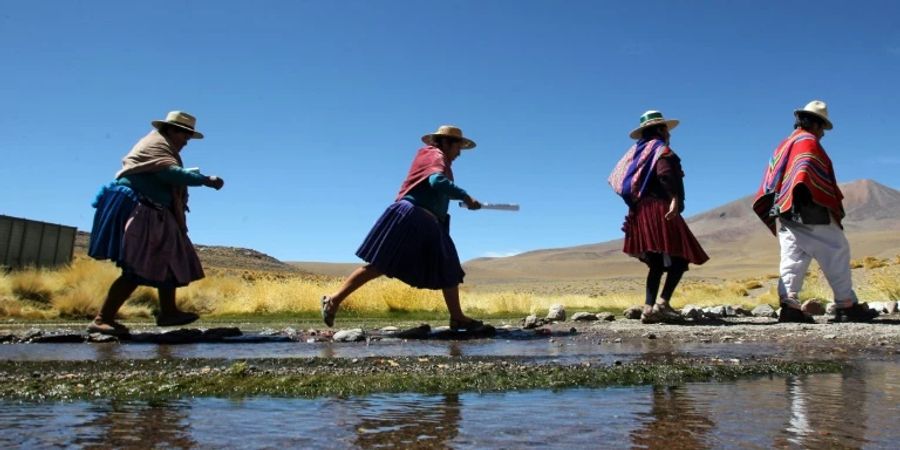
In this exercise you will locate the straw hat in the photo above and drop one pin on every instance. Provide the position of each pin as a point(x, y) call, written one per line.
point(817, 108)
point(449, 131)
point(651, 118)
point(181, 120)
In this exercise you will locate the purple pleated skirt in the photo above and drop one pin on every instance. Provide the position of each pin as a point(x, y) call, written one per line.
point(410, 244)
point(143, 239)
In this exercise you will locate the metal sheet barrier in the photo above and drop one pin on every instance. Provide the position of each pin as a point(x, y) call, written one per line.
point(26, 242)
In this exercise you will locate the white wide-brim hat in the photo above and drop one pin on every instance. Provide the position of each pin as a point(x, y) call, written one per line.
point(181, 120)
point(817, 108)
point(652, 118)
point(449, 131)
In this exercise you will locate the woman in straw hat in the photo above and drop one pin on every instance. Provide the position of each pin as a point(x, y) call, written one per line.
point(140, 223)
point(649, 179)
point(411, 240)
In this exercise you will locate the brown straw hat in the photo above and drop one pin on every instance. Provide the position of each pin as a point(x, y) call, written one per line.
point(449, 131)
point(181, 120)
point(651, 118)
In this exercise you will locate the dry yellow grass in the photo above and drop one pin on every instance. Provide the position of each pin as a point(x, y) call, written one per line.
point(78, 290)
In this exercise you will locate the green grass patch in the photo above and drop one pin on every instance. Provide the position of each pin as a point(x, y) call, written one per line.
point(327, 377)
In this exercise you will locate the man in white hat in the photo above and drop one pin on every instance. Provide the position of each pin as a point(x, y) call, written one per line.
point(800, 190)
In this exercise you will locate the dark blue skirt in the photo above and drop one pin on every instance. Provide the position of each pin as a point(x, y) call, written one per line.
point(114, 205)
point(410, 244)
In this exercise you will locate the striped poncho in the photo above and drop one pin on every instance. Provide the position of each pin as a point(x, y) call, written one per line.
point(630, 176)
point(799, 159)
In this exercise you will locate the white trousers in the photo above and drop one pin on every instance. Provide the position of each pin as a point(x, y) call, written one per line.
point(827, 244)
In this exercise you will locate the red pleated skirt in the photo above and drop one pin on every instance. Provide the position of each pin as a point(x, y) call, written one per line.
point(648, 231)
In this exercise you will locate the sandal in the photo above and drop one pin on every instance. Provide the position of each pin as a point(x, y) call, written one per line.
point(648, 315)
point(666, 313)
point(176, 319)
point(328, 311)
point(111, 328)
point(467, 324)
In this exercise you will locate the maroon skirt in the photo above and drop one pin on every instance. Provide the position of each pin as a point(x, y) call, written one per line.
point(648, 231)
point(156, 251)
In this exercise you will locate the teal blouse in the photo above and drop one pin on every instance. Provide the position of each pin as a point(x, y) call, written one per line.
point(157, 186)
point(435, 195)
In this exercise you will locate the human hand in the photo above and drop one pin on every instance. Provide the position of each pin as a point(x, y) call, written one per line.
point(215, 182)
point(471, 203)
point(674, 209)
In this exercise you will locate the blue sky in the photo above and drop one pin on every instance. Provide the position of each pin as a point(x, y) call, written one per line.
point(314, 109)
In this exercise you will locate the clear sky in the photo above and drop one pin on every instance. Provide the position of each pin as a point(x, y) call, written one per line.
point(314, 109)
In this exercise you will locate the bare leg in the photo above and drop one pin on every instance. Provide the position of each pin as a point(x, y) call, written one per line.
point(356, 280)
point(451, 298)
point(119, 291)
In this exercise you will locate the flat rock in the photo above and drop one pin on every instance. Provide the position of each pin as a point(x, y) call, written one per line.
point(352, 335)
point(420, 332)
point(180, 336)
point(891, 308)
point(584, 317)
point(692, 312)
point(218, 334)
point(445, 333)
point(57, 338)
point(606, 316)
point(764, 311)
point(101, 338)
point(878, 306)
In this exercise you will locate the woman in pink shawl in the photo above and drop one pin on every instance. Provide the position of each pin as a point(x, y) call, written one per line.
point(140, 223)
point(411, 240)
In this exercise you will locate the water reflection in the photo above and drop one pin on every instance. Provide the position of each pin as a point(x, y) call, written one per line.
point(855, 409)
point(822, 414)
point(135, 425)
point(430, 422)
point(675, 420)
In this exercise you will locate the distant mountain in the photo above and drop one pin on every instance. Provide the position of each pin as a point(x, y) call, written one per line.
point(736, 240)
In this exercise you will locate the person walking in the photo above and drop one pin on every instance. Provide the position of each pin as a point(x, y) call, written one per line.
point(800, 191)
point(140, 223)
point(411, 240)
point(649, 178)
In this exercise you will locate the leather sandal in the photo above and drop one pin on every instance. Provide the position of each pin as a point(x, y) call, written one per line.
point(109, 328)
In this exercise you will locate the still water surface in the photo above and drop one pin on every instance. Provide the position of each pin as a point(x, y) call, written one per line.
point(856, 409)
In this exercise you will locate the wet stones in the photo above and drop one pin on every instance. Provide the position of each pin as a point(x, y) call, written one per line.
point(633, 312)
point(812, 308)
point(764, 311)
point(584, 317)
point(692, 312)
point(557, 313)
point(353, 335)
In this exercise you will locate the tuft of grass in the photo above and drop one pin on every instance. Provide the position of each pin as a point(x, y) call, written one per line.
point(31, 284)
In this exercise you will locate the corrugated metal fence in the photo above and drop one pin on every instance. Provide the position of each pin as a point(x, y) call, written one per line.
point(26, 242)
